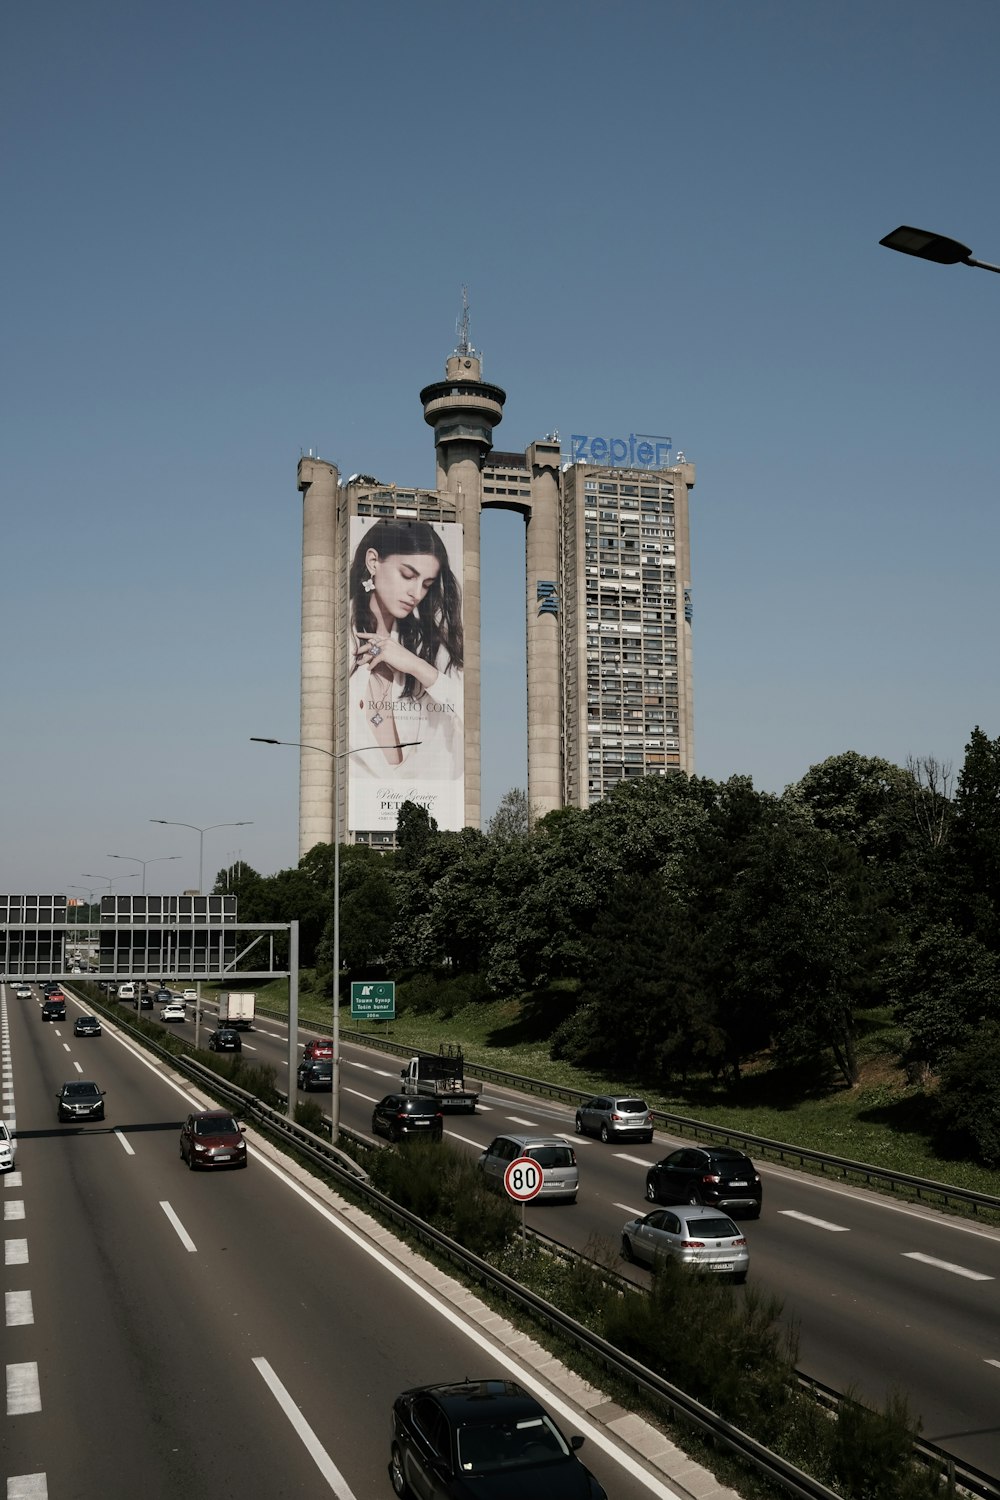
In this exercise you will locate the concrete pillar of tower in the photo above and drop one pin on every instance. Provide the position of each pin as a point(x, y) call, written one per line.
point(685, 473)
point(543, 637)
point(463, 410)
point(318, 482)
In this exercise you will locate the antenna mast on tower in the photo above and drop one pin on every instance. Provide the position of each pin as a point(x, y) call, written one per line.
point(462, 326)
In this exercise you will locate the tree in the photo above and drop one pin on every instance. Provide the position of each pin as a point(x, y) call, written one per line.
point(968, 1100)
point(976, 839)
point(512, 818)
point(944, 984)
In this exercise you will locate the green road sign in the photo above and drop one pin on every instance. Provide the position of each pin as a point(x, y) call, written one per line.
point(373, 999)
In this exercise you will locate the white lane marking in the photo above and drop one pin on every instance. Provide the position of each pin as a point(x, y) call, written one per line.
point(65, 1046)
point(182, 1233)
point(78, 1067)
point(359, 1095)
point(124, 1143)
point(516, 1120)
point(27, 1487)
point(596, 1436)
point(18, 1309)
point(13, 1209)
point(873, 1199)
point(638, 1161)
point(454, 1135)
point(994, 1362)
point(637, 1213)
point(247, 1047)
point(23, 1392)
point(13, 1179)
point(792, 1213)
point(15, 1252)
point(946, 1265)
point(379, 1072)
point(311, 1442)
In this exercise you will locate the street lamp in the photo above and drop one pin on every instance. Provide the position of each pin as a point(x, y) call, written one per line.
point(111, 879)
point(201, 832)
point(935, 247)
point(144, 863)
point(336, 756)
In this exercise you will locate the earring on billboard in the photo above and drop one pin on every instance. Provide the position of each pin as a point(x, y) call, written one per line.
point(368, 584)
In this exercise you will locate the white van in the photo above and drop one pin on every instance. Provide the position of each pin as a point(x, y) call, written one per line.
point(126, 992)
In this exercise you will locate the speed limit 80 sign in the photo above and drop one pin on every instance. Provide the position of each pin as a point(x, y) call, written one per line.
point(523, 1179)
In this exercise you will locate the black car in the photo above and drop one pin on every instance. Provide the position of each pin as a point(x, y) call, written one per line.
point(80, 1100)
point(719, 1176)
point(226, 1039)
point(54, 1008)
point(86, 1026)
point(483, 1437)
point(399, 1116)
point(316, 1075)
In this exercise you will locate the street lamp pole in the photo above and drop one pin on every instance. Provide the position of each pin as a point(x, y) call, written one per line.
point(938, 248)
point(336, 756)
point(201, 832)
point(111, 879)
point(144, 863)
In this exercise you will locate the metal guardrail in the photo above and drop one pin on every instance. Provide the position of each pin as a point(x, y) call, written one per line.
point(677, 1404)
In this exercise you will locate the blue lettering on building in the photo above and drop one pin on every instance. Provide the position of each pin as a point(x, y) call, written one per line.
point(639, 450)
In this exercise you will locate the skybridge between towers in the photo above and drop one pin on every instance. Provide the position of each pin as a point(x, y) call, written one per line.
point(182, 937)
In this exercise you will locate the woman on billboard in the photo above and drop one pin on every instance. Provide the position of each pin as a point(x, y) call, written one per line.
point(406, 673)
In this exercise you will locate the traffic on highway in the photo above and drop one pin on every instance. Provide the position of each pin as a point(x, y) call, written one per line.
point(885, 1295)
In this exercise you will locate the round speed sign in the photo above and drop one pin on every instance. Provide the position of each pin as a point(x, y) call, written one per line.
point(523, 1179)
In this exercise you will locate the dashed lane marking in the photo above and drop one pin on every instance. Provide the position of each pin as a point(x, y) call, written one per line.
point(324, 1463)
point(23, 1391)
point(124, 1143)
point(13, 1209)
point(182, 1233)
point(27, 1487)
point(946, 1265)
point(15, 1252)
point(18, 1309)
point(792, 1213)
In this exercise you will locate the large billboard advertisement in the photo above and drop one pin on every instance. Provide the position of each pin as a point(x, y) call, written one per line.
point(405, 672)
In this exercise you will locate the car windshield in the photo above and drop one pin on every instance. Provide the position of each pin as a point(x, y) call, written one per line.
point(503, 1445)
point(552, 1156)
point(80, 1090)
point(217, 1125)
point(712, 1229)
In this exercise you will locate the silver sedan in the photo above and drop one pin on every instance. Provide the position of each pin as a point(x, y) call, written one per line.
point(697, 1237)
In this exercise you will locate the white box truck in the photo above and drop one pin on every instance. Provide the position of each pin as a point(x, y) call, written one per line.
point(236, 1008)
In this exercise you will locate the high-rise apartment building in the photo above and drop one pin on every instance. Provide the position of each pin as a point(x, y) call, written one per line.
point(390, 654)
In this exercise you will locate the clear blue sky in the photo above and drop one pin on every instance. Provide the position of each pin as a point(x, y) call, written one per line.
point(234, 231)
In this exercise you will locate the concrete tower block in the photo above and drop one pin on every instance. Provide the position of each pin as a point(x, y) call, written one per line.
point(543, 645)
point(319, 483)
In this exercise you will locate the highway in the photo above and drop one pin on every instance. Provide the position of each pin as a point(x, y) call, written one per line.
point(171, 1333)
point(883, 1295)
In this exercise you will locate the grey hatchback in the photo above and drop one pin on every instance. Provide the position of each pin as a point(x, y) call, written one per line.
point(556, 1157)
point(617, 1115)
point(696, 1237)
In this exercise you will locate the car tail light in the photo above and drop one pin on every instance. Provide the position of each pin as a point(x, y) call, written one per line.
point(649, 1119)
point(692, 1244)
point(711, 1177)
point(615, 1115)
point(738, 1242)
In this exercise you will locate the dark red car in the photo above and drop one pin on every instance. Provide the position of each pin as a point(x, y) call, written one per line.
point(320, 1049)
point(213, 1139)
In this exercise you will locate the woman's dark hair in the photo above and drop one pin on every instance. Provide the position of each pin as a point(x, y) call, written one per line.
point(437, 623)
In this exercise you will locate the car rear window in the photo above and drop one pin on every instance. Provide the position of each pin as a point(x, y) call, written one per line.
point(420, 1107)
point(552, 1156)
point(632, 1106)
point(713, 1229)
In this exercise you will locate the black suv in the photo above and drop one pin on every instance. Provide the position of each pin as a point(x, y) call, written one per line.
point(226, 1039)
point(81, 1101)
point(54, 1008)
point(399, 1116)
point(717, 1175)
point(316, 1075)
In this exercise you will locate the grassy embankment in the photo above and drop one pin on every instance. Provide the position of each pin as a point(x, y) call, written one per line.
point(881, 1121)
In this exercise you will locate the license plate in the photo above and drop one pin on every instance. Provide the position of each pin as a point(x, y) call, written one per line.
point(223, 1155)
point(738, 1183)
point(723, 1265)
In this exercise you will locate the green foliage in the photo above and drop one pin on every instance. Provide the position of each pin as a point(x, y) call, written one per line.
point(871, 1453)
point(967, 1108)
point(944, 984)
point(442, 1185)
point(309, 1114)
